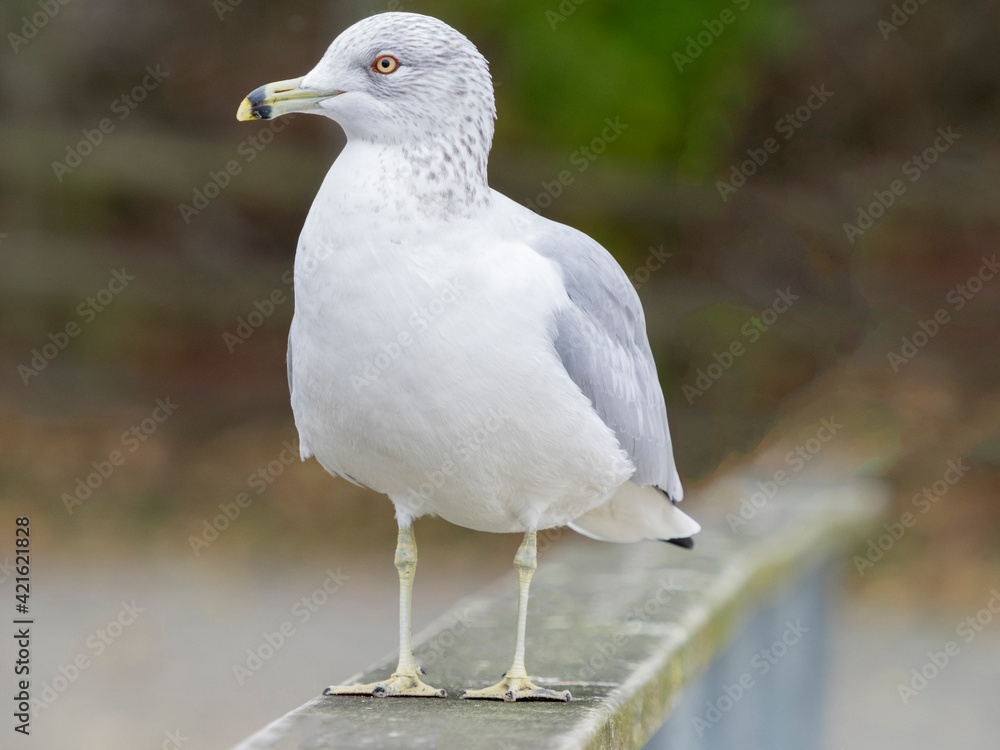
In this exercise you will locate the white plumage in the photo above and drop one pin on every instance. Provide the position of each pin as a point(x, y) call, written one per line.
point(450, 348)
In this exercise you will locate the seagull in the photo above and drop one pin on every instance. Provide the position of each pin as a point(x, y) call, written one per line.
point(452, 349)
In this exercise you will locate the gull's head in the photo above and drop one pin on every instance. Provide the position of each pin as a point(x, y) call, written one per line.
point(392, 78)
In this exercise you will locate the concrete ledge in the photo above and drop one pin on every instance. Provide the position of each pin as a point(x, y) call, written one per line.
point(627, 628)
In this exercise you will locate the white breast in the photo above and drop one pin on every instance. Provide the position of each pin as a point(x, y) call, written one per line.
point(423, 365)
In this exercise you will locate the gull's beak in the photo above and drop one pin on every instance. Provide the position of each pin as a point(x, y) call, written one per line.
point(280, 98)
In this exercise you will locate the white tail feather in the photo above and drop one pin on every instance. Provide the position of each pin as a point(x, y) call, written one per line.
point(635, 513)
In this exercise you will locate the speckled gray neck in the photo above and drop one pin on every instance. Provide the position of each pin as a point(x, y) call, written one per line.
point(435, 112)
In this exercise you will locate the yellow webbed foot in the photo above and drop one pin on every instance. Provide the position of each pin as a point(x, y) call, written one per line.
point(397, 686)
point(516, 689)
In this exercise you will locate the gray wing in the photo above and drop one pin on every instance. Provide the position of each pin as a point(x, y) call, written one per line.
point(601, 339)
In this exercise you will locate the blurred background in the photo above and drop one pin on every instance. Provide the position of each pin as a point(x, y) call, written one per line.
point(813, 185)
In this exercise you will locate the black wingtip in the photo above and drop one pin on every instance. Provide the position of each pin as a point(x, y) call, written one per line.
point(685, 542)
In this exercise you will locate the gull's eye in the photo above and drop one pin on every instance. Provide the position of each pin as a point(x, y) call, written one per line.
point(385, 64)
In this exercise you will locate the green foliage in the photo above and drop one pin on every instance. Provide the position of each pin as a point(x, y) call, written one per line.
point(561, 68)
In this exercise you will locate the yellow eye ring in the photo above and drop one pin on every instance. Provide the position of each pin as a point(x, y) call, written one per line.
point(385, 64)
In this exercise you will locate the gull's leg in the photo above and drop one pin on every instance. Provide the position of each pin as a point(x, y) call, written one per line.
point(404, 681)
point(515, 684)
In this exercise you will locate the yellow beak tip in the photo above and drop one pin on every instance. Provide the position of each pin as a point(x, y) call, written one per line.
point(245, 112)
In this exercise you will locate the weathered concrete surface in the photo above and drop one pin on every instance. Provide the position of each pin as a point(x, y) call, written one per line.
point(624, 627)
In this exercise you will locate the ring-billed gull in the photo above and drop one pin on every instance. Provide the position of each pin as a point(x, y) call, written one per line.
point(449, 347)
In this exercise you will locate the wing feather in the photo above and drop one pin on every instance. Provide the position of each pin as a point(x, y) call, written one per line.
point(601, 339)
